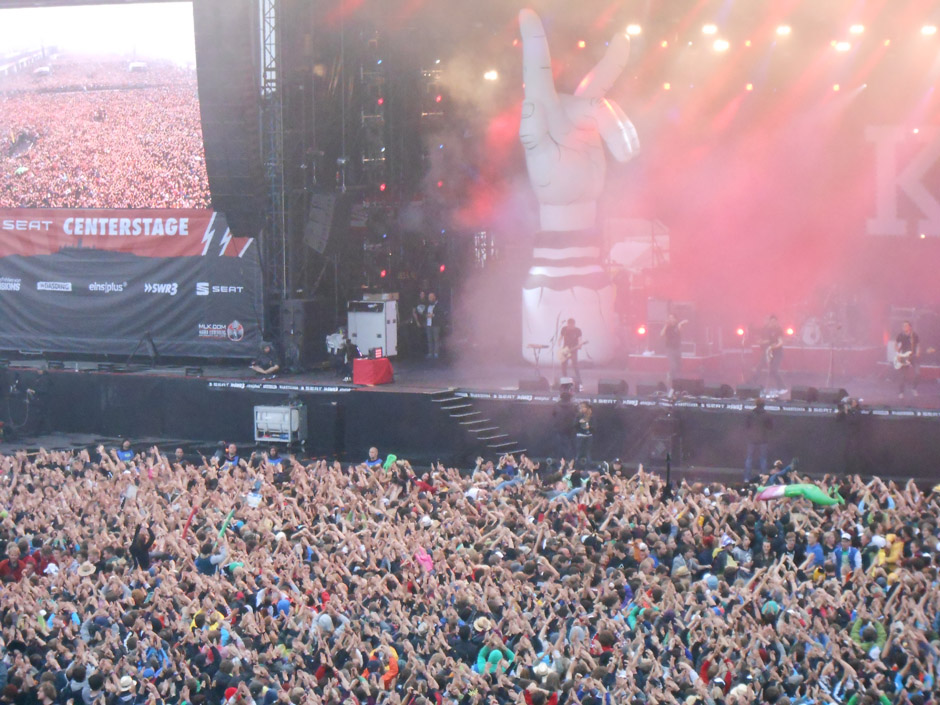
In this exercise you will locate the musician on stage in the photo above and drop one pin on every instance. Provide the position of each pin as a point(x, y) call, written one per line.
point(672, 345)
point(771, 352)
point(907, 346)
point(570, 342)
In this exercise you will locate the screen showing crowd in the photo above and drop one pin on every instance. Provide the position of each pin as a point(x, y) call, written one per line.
point(99, 108)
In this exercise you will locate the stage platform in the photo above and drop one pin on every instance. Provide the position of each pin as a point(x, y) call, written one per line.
point(453, 412)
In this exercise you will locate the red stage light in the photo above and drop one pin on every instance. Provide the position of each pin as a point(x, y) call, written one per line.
point(383, 273)
point(381, 187)
point(740, 332)
point(641, 330)
point(381, 101)
point(443, 268)
point(438, 99)
point(440, 184)
point(790, 330)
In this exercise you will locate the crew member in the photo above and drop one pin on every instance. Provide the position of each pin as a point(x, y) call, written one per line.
point(266, 363)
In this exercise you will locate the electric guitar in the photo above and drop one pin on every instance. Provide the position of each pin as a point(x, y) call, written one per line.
point(903, 359)
point(567, 353)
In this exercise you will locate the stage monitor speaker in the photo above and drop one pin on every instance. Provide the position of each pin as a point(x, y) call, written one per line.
point(613, 387)
point(648, 390)
point(693, 387)
point(800, 393)
point(539, 384)
point(719, 391)
point(746, 391)
point(832, 395)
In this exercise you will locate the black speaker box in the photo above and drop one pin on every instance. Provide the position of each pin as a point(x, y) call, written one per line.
point(746, 391)
point(694, 387)
point(832, 395)
point(800, 393)
point(648, 390)
point(539, 384)
point(613, 387)
point(304, 325)
point(719, 391)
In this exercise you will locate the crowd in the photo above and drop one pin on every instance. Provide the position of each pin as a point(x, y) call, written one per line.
point(133, 578)
point(101, 136)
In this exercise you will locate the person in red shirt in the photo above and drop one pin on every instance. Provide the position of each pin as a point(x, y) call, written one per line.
point(11, 569)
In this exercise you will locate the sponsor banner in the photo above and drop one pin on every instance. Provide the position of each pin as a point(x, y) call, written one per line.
point(279, 387)
point(104, 300)
point(146, 233)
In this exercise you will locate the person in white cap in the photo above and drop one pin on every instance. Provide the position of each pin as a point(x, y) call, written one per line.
point(848, 558)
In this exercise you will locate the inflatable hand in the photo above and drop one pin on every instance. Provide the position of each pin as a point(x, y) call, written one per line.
point(813, 493)
point(562, 136)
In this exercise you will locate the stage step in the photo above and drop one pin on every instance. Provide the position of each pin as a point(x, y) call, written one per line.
point(494, 436)
point(468, 424)
point(483, 430)
point(501, 446)
point(447, 400)
point(466, 415)
point(457, 407)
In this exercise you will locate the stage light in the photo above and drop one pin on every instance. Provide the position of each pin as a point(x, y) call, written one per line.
point(443, 268)
point(667, 86)
point(581, 44)
point(382, 187)
point(843, 46)
point(928, 30)
point(721, 45)
point(438, 98)
point(916, 130)
point(437, 61)
point(383, 273)
point(887, 42)
point(491, 75)
point(664, 44)
point(857, 29)
point(747, 43)
point(634, 29)
point(440, 184)
point(837, 88)
point(790, 330)
point(379, 62)
point(710, 29)
point(923, 236)
point(381, 101)
point(749, 87)
point(641, 330)
point(740, 332)
point(784, 30)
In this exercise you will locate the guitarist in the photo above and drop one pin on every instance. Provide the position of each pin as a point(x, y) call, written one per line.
point(771, 352)
point(570, 341)
point(907, 345)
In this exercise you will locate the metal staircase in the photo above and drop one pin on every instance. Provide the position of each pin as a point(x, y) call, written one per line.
point(483, 432)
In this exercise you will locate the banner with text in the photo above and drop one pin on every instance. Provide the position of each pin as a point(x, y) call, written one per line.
point(100, 281)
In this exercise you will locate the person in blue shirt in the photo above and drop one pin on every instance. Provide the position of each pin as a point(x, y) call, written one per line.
point(373, 462)
point(125, 454)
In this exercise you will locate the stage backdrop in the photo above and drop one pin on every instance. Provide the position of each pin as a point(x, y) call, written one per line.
point(98, 281)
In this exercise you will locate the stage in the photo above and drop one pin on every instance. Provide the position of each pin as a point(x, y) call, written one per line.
point(453, 411)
